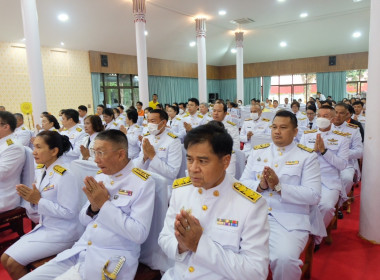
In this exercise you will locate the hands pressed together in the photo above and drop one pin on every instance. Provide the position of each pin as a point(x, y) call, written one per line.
point(269, 179)
point(97, 194)
point(188, 232)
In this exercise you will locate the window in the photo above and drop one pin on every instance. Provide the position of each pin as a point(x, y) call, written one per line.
point(356, 83)
point(119, 89)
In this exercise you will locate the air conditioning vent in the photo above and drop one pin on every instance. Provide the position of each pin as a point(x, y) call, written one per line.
point(242, 21)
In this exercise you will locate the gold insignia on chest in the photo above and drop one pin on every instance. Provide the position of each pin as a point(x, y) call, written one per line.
point(293, 162)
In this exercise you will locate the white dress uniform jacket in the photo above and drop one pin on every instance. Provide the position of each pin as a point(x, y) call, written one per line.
point(177, 128)
point(168, 158)
point(88, 142)
point(23, 135)
point(112, 125)
point(116, 232)
point(233, 130)
point(76, 135)
point(259, 126)
point(12, 158)
point(195, 120)
point(134, 145)
point(234, 243)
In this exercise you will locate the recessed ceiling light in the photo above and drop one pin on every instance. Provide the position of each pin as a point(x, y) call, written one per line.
point(146, 33)
point(62, 43)
point(281, 0)
point(283, 44)
point(303, 15)
point(233, 50)
point(355, 1)
point(356, 34)
point(63, 17)
point(222, 12)
point(192, 44)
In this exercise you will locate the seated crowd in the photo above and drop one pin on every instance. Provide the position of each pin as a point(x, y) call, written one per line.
point(246, 187)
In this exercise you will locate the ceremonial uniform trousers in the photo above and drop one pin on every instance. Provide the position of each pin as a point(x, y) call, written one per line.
point(331, 163)
point(23, 135)
point(76, 135)
point(58, 211)
point(12, 158)
point(257, 127)
point(356, 152)
point(289, 211)
point(177, 128)
point(114, 234)
point(234, 242)
point(168, 158)
point(134, 145)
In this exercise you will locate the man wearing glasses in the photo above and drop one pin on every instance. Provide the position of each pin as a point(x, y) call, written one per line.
point(117, 217)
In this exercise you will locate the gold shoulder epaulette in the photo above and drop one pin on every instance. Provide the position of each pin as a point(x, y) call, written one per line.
point(261, 146)
point(247, 192)
point(352, 125)
point(172, 135)
point(141, 173)
point(23, 128)
point(146, 134)
point(40, 166)
point(59, 169)
point(115, 123)
point(180, 182)
point(137, 126)
point(310, 131)
point(302, 119)
point(337, 132)
point(99, 171)
point(55, 130)
point(200, 116)
point(265, 120)
point(178, 119)
point(9, 142)
point(303, 147)
point(79, 129)
point(303, 113)
point(231, 123)
point(248, 119)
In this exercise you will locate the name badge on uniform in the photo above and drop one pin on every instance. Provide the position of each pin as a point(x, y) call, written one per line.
point(312, 141)
point(47, 188)
point(293, 162)
point(227, 222)
point(125, 192)
point(72, 136)
point(162, 149)
point(332, 141)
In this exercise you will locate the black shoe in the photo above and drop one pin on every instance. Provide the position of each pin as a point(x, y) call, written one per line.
point(316, 247)
point(340, 215)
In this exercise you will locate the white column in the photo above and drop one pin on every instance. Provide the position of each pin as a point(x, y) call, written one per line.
point(33, 55)
point(239, 37)
point(369, 227)
point(202, 69)
point(142, 64)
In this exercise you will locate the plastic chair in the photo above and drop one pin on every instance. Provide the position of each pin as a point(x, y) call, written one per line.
point(240, 163)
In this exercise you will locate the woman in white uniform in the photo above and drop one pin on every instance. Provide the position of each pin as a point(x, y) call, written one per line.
point(55, 196)
point(109, 119)
point(175, 123)
point(133, 132)
point(92, 126)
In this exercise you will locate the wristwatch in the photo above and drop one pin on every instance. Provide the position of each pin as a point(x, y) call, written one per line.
point(277, 187)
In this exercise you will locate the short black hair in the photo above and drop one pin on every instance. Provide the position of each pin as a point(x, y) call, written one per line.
point(116, 137)
point(218, 137)
point(150, 109)
point(183, 104)
point(195, 100)
point(120, 106)
point(139, 102)
point(175, 108)
point(224, 106)
point(52, 119)
point(287, 114)
point(342, 104)
point(101, 105)
point(9, 119)
point(159, 106)
point(96, 123)
point(45, 113)
point(55, 140)
point(358, 103)
point(82, 107)
point(154, 94)
point(71, 114)
point(312, 107)
point(18, 116)
point(350, 109)
point(117, 110)
point(325, 106)
point(109, 112)
point(295, 103)
point(162, 113)
point(132, 115)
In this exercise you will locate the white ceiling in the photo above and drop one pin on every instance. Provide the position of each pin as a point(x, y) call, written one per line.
point(107, 25)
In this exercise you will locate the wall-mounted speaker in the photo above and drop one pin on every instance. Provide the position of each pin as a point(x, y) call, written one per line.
point(212, 97)
point(104, 60)
point(332, 60)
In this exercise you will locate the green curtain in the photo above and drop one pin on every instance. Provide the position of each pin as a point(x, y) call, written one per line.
point(97, 97)
point(266, 87)
point(228, 89)
point(332, 83)
point(213, 86)
point(252, 89)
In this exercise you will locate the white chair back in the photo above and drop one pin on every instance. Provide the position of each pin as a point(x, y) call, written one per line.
point(268, 115)
point(240, 163)
point(183, 168)
point(260, 139)
point(27, 173)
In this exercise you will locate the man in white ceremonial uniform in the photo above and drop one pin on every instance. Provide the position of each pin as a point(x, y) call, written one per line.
point(161, 151)
point(332, 148)
point(287, 175)
point(359, 112)
point(204, 110)
point(275, 106)
point(22, 134)
point(215, 228)
point(255, 125)
point(193, 118)
point(175, 123)
point(122, 119)
point(82, 111)
point(356, 145)
point(219, 114)
point(117, 217)
point(301, 116)
point(286, 104)
point(70, 119)
point(12, 158)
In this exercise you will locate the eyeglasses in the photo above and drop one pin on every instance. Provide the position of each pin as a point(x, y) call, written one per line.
point(99, 154)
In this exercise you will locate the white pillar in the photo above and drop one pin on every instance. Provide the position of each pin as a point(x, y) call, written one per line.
point(33, 55)
point(239, 37)
point(369, 227)
point(142, 64)
point(200, 28)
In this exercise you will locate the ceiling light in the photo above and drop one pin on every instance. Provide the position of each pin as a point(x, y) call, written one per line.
point(222, 12)
point(146, 33)
point(63, 17)
point(281, 0)
point(192, 44)
point(233, 50)
point(62, 43)
point(283, 44)
point(303, 15)
point(355, 1)
point(356, 34)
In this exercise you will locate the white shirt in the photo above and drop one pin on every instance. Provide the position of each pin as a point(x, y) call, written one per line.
point(195, 120)
point(81, 119)
point(257, 127)
point(89, 144)
point(23, 135)
point(177, 128)
point(76, 135)
point(134, 145)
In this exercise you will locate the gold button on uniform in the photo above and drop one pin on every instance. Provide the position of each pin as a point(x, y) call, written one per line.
point(216, 193)
point(95, 226)
point(112, 182)
point(204, 207)
point(276, 165)
point(191, 269)
point(51, 173)
point(200, 191)
point(270, 208)
point(89, 243)
point(270, 194)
